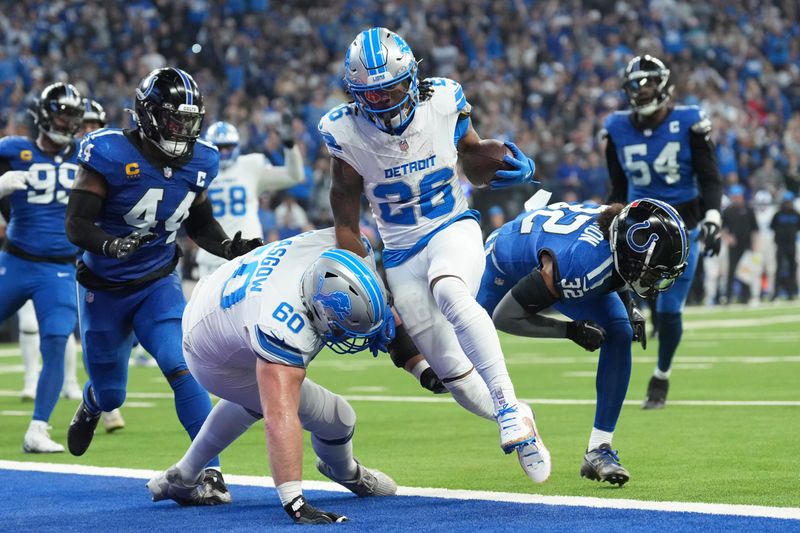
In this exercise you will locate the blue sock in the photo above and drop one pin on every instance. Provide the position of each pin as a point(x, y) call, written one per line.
point(670, 329)
point(192, 405)
point(51, 378)
point(613, 375)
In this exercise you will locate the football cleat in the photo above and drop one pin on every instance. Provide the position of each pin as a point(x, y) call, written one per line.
point(37, 439)
point(368, 481)
point(656, 393)
point(81, 430)
point(602, 464)
point(533, 455)
point(113, 421)
point(516, 426)
point(208, 489)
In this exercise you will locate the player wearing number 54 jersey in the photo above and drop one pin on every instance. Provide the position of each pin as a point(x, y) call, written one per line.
point(665, 152)
point(38, 261)
point(133, 191)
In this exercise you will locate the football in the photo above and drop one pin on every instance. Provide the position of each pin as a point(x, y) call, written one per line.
point(480, 165)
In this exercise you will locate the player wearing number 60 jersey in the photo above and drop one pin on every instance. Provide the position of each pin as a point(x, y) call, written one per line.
point(241, 180)
point(661, 151)
point(38, 261)
point(133, 191)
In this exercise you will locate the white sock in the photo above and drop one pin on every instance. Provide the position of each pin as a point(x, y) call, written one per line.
point(289, 491)
point(599, 437)
point(38, 424)
point(419, 368)
point(70, 363)
point(662, 375)
point(225, 423)
point(471, 393)
point(29, 346)
point(477, 336)
point(337, 456)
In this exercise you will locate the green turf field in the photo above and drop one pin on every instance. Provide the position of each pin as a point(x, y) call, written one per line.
point(728, 453)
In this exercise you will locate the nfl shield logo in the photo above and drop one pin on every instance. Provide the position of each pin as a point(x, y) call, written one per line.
point(404, 145)
point(167, 172)
point(89, 297)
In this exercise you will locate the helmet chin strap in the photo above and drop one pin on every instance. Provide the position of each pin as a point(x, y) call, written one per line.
point(60, 139)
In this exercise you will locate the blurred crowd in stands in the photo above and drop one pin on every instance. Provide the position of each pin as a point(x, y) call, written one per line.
point(544, 73)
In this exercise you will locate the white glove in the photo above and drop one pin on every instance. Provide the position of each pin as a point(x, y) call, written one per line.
point(13, 180)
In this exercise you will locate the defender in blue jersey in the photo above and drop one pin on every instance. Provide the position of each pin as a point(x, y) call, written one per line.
point(38, 261)
point(662, 151)
point(576, 257)
point(133, 191)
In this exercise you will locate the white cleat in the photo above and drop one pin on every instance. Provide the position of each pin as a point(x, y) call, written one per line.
point(208, 489)
point(113, 421)
point(533, 456)
point(37, 439)
point(72, 392)
point(516, 426)
point(368, 481)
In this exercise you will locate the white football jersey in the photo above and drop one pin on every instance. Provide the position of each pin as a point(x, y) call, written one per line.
point(410, 179)
point(252, 304)
point(235, 191)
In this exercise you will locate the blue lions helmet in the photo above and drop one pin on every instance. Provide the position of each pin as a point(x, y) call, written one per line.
point(226, 137)
point(345, 299)
point(650, 246)
point(381, 75)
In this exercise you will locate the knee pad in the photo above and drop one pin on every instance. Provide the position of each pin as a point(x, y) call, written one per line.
point(326, 415)
point(402, 348)
point(455, 302)
point(619, 331)
point(108, 399)
point(28, 324)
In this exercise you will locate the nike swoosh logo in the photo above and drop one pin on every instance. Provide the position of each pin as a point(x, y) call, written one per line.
point(62, 274)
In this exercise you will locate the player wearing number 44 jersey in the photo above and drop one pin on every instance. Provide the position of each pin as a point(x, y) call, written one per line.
point(133, 191)
point(38, 261)
point(398, 143)
point(665, 152)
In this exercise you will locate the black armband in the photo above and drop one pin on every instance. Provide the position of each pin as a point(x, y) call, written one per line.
point(532, 294)
point(704, 162)
point(402, 348)
point(204, 229)
point(83, 210)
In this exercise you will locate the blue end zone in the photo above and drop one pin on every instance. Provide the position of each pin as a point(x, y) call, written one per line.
point(37, 501)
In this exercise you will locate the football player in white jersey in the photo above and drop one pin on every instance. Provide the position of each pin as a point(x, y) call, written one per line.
point(249, 331)
point(241, 180)
point(398, 144)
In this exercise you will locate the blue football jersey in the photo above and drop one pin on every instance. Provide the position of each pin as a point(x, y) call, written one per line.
point(143, 197)
point(658, 162)
point(583, 265)
point(37, 212)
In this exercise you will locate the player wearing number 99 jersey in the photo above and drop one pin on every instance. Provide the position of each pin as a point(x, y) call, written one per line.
point(665, 152)
point(133, 191)
point(38, 261)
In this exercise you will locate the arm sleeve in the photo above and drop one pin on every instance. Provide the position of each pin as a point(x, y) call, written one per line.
point(204, 229)
point(5, 202)
point(619, 181)
point(83, 210)
point(704, 162)
point(511, 317)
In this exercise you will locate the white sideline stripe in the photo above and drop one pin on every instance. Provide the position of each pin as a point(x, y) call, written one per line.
point(762, 511)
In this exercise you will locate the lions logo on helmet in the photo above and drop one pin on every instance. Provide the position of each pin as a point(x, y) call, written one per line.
point(58, 112)
point(381, 75)
point(650, 246)
point(345, 300)
point(646, 84)
point(226, 138)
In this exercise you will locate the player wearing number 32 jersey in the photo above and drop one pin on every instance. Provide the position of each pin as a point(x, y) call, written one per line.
point(133, 191)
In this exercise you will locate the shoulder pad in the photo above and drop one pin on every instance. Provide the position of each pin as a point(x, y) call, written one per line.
point(100, 149)
point(448, 96)
point(12, 146)
point(702, 124)
point(334, 127)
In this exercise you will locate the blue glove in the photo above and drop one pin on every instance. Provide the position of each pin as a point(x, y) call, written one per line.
point(524, 167)
point(380, 342)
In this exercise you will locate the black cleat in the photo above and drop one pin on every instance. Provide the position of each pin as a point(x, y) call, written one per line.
point(656, 394)
point(602, 464)
point(81, 430)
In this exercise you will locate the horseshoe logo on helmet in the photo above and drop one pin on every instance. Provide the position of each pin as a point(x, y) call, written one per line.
point(640, 248)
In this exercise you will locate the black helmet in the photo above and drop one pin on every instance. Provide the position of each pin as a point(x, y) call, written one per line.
point(58, 112)
point(93, 112)
point(647, 73)
point(650, 246)
point(169, 111)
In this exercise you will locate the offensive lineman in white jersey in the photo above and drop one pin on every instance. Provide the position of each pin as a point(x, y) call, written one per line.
point(241, 180)
point(249, 331)
point(398, 143)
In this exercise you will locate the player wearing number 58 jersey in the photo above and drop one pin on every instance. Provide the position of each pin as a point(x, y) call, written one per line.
point(665, 152)
point(38, 261)
point(133, 191)
point(241, 180)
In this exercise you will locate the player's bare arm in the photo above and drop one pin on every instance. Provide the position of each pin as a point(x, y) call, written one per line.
point(346, 188)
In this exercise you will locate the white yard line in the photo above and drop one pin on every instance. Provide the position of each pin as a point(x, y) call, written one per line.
point(762, 511)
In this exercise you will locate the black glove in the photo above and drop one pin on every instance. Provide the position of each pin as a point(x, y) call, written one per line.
point(710, 234)
point(303, 513)
point(238, 246)
point(638, 323)
point(586, 334)
point(286, 129)
point(429, 380)
point(122, 247)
